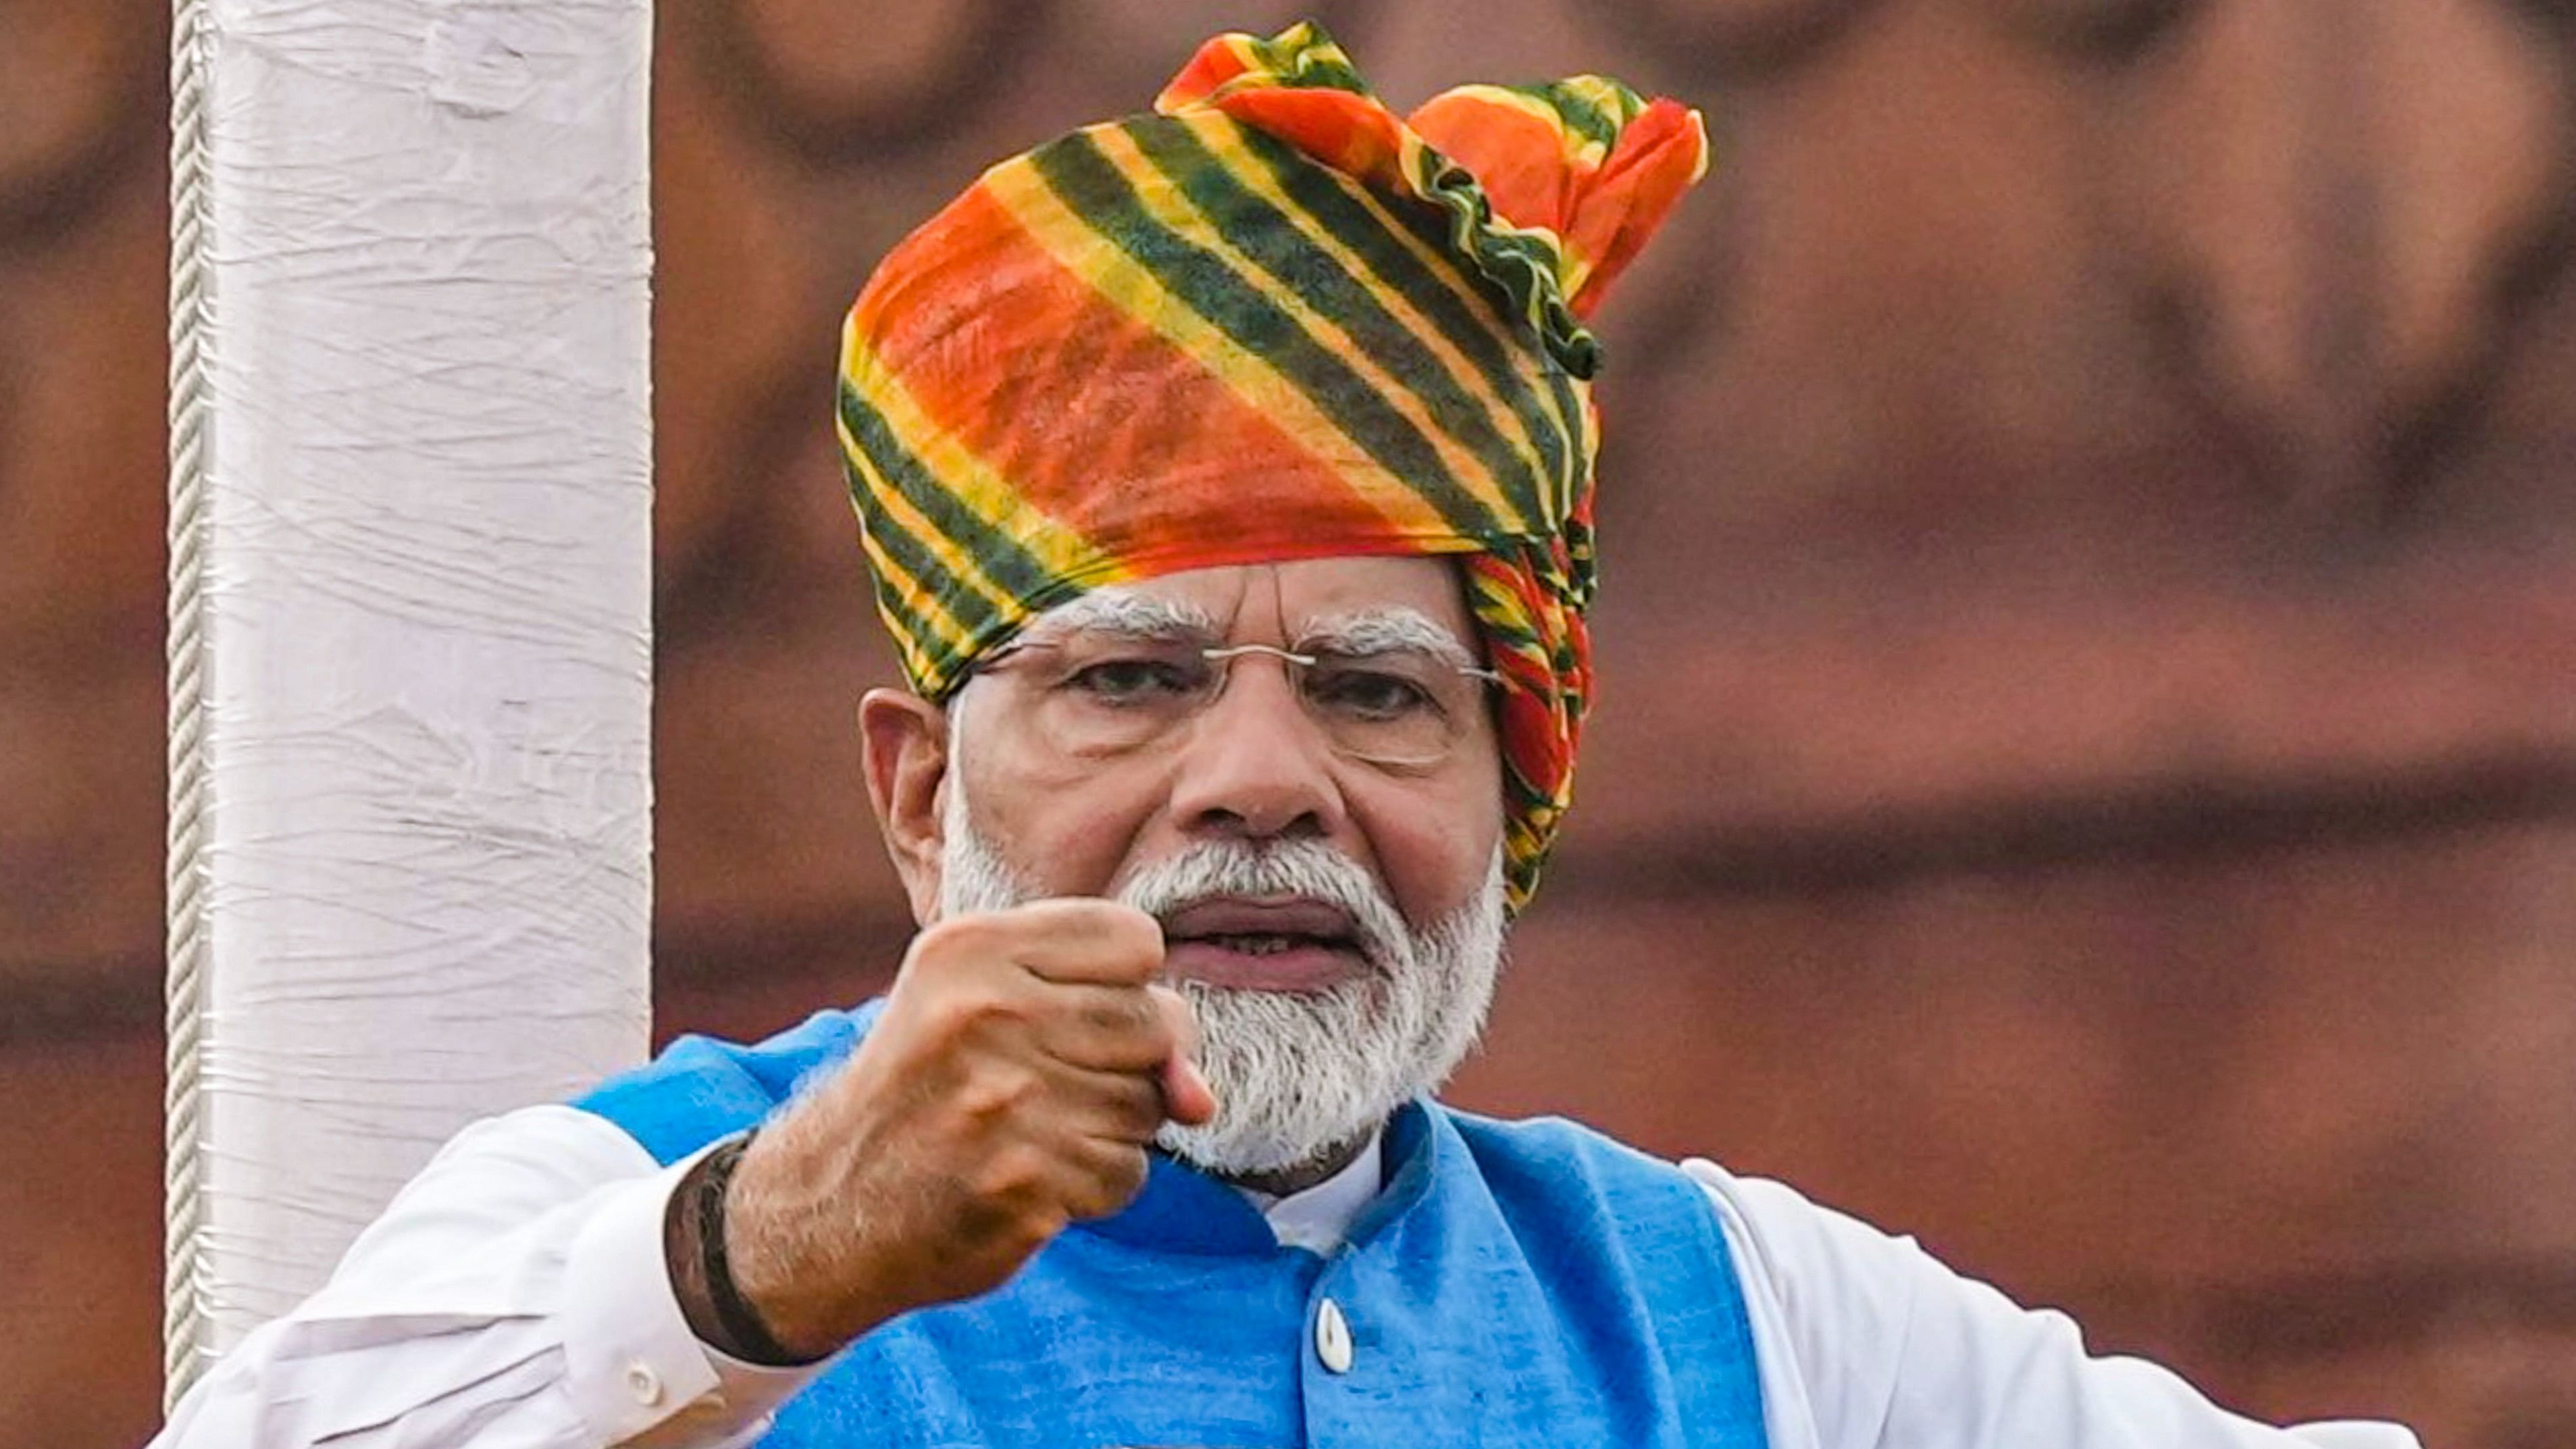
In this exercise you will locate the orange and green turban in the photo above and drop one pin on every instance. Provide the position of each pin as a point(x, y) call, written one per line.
point(1271, 321)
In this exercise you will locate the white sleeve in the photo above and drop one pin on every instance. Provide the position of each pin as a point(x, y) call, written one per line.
point(514, 1296)
point(1866, 1340)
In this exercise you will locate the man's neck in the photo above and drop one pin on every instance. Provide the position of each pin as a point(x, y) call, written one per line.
point(1297, 1179)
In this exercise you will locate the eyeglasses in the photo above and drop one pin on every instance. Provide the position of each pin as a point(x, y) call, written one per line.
point(1100, 695)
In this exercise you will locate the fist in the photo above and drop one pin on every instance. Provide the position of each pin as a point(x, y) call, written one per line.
point(1023, 1064)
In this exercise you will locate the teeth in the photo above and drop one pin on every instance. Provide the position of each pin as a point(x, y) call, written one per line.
point(1262, 945)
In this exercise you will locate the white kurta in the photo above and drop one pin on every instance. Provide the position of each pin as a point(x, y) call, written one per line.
point(514, 1297)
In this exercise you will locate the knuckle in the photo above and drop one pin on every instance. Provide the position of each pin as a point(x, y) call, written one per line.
point(1140, 939)
point(965, 941)
point(1125, 1014)
point(1129, 927)
point(1145, 1111)
point(1112, 1184)
point(1040, 1226)
point(999, 1092)
point(1052, 919)
point(1011, 1174)
point(1127, 1174)
point(954, 936)
point(1119, 930)
point(1108, 1011)
point(946, 1020)
point(1129, 1110)
point(971, 1014)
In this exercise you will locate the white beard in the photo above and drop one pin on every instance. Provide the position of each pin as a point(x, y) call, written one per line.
point(1297, 1075)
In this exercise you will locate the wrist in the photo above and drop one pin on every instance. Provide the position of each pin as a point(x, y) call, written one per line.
point(700, 1248)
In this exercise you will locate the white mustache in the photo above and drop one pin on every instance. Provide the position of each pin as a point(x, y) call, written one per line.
point(1221, 869)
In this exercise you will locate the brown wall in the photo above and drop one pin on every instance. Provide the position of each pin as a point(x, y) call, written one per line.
point(2088, 769)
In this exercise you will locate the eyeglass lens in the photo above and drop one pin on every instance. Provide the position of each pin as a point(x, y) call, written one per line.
point(1101, 695)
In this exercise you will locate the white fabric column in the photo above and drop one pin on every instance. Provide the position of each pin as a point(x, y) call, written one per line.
point(410, 589)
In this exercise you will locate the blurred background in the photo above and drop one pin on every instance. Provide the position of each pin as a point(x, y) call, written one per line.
point(2087, 769)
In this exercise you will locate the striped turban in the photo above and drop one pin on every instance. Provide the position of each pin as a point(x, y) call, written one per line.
point(1271, 321)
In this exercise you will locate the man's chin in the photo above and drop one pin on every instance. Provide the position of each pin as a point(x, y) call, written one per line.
point(1215, 1151)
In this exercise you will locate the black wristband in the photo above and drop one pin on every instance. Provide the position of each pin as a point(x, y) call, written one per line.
point(749, 1338)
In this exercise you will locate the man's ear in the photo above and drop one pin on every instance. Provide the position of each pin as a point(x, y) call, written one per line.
point(905, 742)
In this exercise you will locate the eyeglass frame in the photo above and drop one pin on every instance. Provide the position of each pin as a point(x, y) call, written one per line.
point(1223, 656)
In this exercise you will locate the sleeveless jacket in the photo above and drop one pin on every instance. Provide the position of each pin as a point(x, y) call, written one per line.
point(1515, 1283)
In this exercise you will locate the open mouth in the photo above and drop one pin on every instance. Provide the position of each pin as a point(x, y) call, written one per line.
point(1291, 944)
point(1265, 945)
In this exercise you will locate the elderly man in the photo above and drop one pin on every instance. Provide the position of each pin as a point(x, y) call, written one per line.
point(1226, 474)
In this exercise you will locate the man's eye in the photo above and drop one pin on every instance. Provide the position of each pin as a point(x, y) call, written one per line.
point(1370, 693)
point(1131, 681)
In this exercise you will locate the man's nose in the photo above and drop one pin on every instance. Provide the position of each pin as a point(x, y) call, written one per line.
point(1255, 763)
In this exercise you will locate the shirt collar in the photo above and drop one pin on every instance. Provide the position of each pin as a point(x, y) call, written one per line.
point(1318, 1218)
point(1183, 1210)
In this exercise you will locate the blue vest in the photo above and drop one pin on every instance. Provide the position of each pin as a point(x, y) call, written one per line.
point(1516, 1283)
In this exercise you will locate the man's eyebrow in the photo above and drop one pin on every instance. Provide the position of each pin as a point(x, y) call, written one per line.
point(1118, 611)
point(1148, 616)
point(1376, 631)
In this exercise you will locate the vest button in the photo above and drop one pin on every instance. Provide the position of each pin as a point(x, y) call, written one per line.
point(1333, 1337)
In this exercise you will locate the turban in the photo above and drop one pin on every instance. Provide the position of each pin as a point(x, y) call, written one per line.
point(1270, 321)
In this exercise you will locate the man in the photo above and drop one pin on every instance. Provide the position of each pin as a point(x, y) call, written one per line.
point(1227, 478)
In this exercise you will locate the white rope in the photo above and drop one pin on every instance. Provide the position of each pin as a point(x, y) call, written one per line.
point(183, 1324)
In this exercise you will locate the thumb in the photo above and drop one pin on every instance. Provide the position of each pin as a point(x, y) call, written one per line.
point(1186, 1094)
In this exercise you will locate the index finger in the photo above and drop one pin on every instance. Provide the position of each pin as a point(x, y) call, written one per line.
point(1082, 939)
